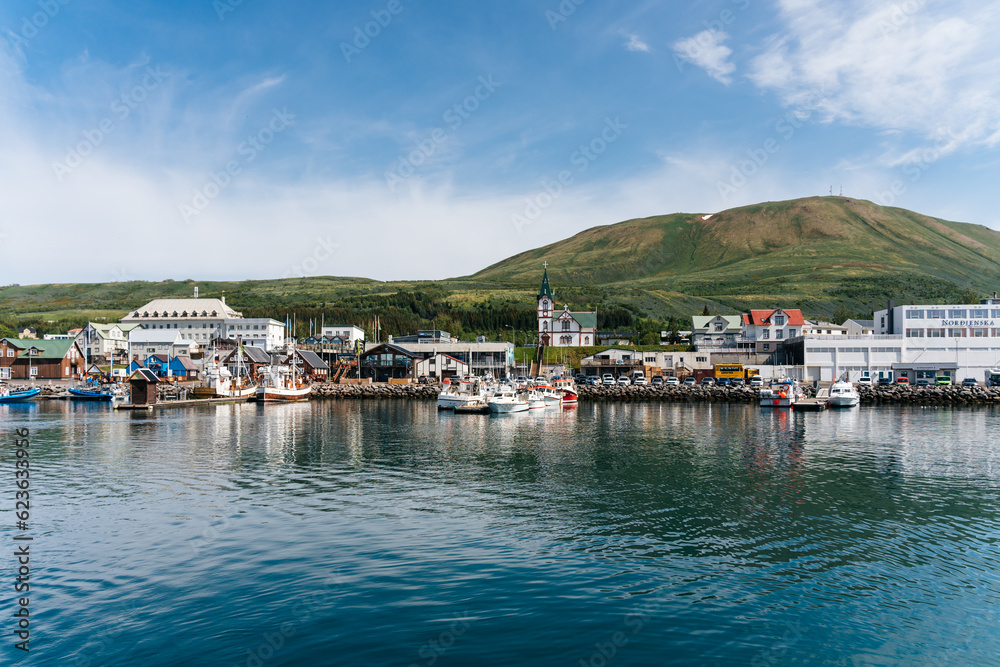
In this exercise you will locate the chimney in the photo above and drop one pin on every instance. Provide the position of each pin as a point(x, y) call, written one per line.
point(196, 292)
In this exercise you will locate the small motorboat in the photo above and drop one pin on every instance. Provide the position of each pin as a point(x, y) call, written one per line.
point(90, 394)
point(473, 408)
point(843, 395)
point(7, 396)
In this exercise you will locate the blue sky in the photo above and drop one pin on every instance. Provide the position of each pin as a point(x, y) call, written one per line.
point(405, 139)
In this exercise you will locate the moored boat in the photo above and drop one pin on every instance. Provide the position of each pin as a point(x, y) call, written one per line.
point(843, 395)
point(473, 408)
point(567, 389)
point(90, 394)
point(783, 395)
point(506, 399)
point(282, 383)
point(7, 396)
point(458, 393)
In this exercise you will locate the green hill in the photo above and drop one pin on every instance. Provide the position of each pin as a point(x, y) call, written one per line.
point(829, 256)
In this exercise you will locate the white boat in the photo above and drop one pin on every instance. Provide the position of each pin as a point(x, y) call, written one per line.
point(456, 394)
point(551, 395)
point(219, 382)
point(506, 399)
point(282, 383)
point(782, 395)
point(536, 401)
point(843, 395)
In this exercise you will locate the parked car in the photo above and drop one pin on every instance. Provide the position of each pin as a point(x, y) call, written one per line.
point(580, 377)
point(708, 382)
point(943, 380)
point(969, 382)
point(905, 381)
point(884, 382)
point(657, 381)
point(923, 383)
point(864, 381)
point(624, 381)
point(609, 378)
point(672, 381)
point(593, 379)
point(689, 381)
point(722, 382)
point(738, 382)
point(756, 381)
point(640, 381)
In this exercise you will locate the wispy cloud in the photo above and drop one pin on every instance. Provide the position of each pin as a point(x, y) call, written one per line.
point(920, 67)
point(633, 43)
point(706, 50)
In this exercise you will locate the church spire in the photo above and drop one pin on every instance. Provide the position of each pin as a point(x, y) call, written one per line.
point(546, 289)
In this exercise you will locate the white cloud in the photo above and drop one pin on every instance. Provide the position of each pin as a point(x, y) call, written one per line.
point(636, 44)
point(913, 66)
point(707, 51)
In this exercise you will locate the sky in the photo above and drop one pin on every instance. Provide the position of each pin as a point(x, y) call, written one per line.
point(419, 140)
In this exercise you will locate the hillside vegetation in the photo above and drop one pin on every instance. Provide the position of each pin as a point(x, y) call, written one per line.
point(833, 257)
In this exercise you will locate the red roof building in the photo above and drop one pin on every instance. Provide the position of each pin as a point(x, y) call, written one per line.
point(768, 329)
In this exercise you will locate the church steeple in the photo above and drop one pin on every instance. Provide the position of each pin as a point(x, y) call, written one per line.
point(546, 289)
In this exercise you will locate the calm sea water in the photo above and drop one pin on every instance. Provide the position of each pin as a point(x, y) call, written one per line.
point(386, 533)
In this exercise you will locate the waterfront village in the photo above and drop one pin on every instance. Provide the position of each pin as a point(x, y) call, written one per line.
point(177, 340)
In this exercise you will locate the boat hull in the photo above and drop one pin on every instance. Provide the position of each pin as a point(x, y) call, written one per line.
point(507, 408)
point(84, 395)
point(278, 395)
point(450, 402)
point(20, 396)
point(843, 401)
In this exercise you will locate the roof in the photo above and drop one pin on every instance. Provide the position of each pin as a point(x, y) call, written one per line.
point(763, 317)
point(156, 336)
point(102, 329)
point(546, 289)
point(865, 324)
point(257, 355)
point(313, 359)
point(586, 320)
point(702, 321)
point(389, 347)
point(187, 363)
point(144, 374)
point(47, 349)
point(195, 309)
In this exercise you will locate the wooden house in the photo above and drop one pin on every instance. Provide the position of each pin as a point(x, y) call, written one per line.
point(40, 359)
point(142, 384)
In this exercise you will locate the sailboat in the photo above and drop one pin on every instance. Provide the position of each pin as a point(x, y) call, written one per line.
point(220, 383)
point(283, 383)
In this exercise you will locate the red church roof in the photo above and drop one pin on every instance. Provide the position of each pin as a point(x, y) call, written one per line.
point(763, 317)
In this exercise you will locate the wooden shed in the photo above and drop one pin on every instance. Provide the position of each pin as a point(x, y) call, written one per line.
point(142, 385)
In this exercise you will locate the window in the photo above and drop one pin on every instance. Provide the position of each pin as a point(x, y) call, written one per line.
point(767, 347)
point(5, 373)
point(66, 371)
point(791, 333)
point(914, 333)
point(565, 325)
point(935, 333)
point(956, 333)
point(779, 320)
point(719, 326)
point(995, 312)
point(979, 313)
point(34, 370)
point(766, 334)
point(957, 314)
point(701, 360)
point(586, 340)
point(650, 360)
point(979, 333)
point(935, 314)
point(545, 326)
point(10, 353)
point(914, 314)
point(779, 334)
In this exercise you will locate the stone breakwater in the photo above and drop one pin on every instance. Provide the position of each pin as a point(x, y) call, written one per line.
point(679, 393)
point(933, 395)
point(410, 391)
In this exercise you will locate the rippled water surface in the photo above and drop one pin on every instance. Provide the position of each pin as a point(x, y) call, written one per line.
point(386, 533)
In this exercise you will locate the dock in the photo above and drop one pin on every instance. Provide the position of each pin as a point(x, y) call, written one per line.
point(183, 404)
point(817, 404)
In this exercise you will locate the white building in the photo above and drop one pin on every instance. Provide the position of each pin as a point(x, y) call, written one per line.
point(145, 342)
point(348, 333)
point(202, 320)
point(563, 328)
point(101, 340)
point(916, 342)
point(716, 331)
point(766, 330)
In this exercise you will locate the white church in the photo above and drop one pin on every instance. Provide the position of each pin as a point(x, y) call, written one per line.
point(563, 328)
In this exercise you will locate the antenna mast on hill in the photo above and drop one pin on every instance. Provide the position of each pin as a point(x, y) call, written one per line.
point(841, 190)
point(831, 190)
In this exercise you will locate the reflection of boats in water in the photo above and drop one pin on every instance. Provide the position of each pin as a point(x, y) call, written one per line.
point(537, 400)
point(784, 394)
point(843, 395)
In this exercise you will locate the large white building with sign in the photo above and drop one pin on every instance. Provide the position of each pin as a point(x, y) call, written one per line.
point(916, 342)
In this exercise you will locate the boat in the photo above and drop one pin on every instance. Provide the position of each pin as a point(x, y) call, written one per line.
point(283, 383)
point(7, 396)
point(458, 393)
point(219, 382)
point(568, 390)
point(843, 395)
point(90, 394)
point(783, 395)
point(506, 399)
point(550, 394)
point(477, 407)
point(536, 401)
